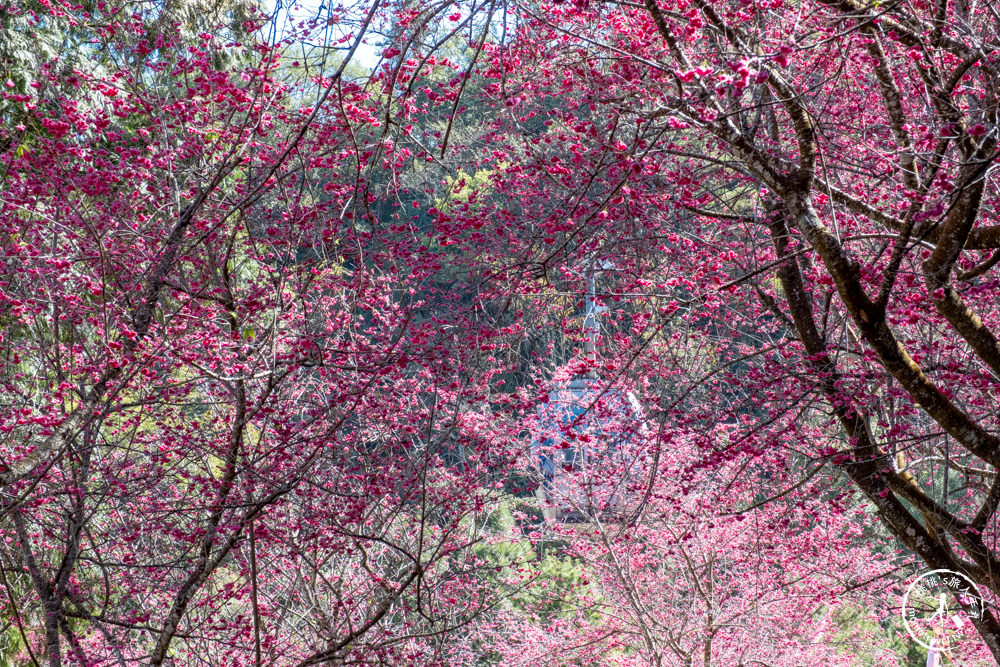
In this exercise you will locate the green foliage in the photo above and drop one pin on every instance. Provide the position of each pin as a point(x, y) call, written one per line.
point(554, 585)
point(863, 636)
point(11, 645)
point(26, 44)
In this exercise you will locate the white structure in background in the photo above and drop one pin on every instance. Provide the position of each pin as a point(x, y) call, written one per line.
point(582, 436)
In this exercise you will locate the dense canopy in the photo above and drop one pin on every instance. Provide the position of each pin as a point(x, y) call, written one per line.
point(505, 332)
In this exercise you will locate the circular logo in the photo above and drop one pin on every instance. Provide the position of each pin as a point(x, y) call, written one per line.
point(938, 606)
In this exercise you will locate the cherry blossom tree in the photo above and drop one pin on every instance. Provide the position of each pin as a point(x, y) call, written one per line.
point(810, 188)
point(243, 419)
point(686, 563)
point(277, 325)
